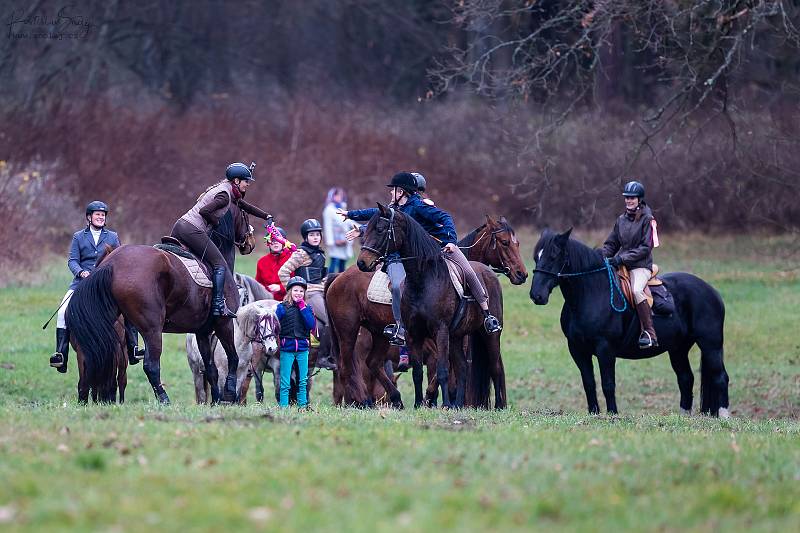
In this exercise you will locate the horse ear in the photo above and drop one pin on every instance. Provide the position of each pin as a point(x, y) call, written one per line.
point(503, 220)
point(566, 234)
point(490, 220)
point(383, 209)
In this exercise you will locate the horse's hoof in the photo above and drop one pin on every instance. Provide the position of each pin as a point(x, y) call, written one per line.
point(724, 413)
point(686, 412)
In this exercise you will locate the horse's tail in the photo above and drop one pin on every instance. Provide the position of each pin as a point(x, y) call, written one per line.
point(708, 322)
point(91, 315)
point(480, 376)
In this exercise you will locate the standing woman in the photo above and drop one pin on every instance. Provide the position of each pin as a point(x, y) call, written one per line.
point(194, 227)
point(631, 243)
point(334, 230)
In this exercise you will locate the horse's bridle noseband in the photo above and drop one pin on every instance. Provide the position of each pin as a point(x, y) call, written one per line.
point(389, 237)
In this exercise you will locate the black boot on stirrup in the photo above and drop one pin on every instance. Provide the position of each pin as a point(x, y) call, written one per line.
point(396, 334)
point(218, 306)
point(491, 323)
point(59, 359)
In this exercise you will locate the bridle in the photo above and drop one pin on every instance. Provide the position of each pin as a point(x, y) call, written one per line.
point(504, 269)
point(261, 335)
point(388, 238)
point(612, 281)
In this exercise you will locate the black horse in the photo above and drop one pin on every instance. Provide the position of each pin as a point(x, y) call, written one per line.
point(596, 320)
point(430, 304)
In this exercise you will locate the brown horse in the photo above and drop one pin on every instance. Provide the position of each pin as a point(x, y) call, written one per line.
point(493, 243)
point(154, 291)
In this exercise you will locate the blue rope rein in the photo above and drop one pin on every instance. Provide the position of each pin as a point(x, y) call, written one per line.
point(612, 282)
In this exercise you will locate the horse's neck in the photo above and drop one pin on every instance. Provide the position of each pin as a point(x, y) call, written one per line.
point(424, 278)
point(580, 290)
point(475, 245)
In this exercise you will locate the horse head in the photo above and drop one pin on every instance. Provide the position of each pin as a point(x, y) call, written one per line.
point(502, 250)
point(381, 238)
point(550, 255)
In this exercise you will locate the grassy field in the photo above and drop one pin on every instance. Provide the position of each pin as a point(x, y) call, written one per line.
point(543, 463)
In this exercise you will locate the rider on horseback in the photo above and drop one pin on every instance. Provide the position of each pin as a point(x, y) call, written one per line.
point(194, 227)
point(631, 244)
point(308, 262)
point(439, 225)
point(87, 245)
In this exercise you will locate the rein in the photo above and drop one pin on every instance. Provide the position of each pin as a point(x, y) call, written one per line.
point(505, 270)
point(612, 281)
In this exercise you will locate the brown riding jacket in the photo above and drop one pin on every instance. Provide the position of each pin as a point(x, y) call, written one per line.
point(632, 239)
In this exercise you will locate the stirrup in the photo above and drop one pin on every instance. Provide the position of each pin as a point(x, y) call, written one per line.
point(57, 360)
point(646, 341)
point(395, 334)
point(135, 354)
point(491, 324)
point(221, 310)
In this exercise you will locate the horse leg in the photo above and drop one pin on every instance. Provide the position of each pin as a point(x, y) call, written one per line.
point(83, 383)
point(210, 375)
point(679, 359)
point(378, 370)
point(416, 376)
point(583, 359)
point(498, 373)
point(224, 331)
point(713, 380)
point(152, 361)
point(459, 360)
point(607, 362)
point(443, 364)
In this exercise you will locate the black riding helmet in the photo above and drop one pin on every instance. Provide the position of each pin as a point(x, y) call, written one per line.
point(633, 188)
point(238, 171)
point(421, 183)
point(296, 280)
point(405, 181)
point(97, 205)
point(312, 224)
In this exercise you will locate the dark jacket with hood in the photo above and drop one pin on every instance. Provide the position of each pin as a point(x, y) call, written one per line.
point(632, 239)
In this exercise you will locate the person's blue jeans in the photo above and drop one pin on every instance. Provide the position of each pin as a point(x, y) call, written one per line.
point(287, 359)
point(337, 265)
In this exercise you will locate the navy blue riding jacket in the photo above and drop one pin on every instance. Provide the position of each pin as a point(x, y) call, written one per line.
point(83, 252)
point(438, 223)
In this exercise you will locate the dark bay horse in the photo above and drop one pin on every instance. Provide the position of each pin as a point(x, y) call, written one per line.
point(429, 305)
point(596, 321)
point(114, 388)
point(155, 292)
point(493, 243)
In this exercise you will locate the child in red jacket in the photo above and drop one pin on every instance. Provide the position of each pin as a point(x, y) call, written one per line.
point(269, 265)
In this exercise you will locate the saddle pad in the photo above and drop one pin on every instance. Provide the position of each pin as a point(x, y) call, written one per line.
point(378, 291)
point(196, 271)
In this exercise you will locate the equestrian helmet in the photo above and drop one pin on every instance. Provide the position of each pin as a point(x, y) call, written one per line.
point(633, 188)
point(97, 205)
point(405, 181)
point(312, 224)
point(240, 171)
point(296, 280)
point(421, 183)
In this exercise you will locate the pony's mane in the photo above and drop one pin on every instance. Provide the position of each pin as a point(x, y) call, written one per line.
point(469, 239)
point(249, 315)
point(579, 256)
point(421, 246)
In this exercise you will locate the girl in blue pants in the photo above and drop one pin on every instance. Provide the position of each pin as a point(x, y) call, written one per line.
point(297, 321)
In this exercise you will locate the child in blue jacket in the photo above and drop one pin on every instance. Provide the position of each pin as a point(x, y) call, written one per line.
point(297, 321)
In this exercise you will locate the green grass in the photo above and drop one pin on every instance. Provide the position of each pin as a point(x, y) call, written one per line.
point(541, 464)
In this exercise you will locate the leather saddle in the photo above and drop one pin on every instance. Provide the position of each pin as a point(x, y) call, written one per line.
point(658, 297)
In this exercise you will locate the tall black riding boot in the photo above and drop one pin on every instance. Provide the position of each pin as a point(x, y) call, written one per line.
point(648, 337)
point(218, 306)
point(59, 359)
point(135, 354)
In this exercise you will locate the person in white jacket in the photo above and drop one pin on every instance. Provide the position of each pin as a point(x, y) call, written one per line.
point(338, 248)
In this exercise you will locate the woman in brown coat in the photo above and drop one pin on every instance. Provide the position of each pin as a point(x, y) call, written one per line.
point(631, 244)
point(194, 227)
